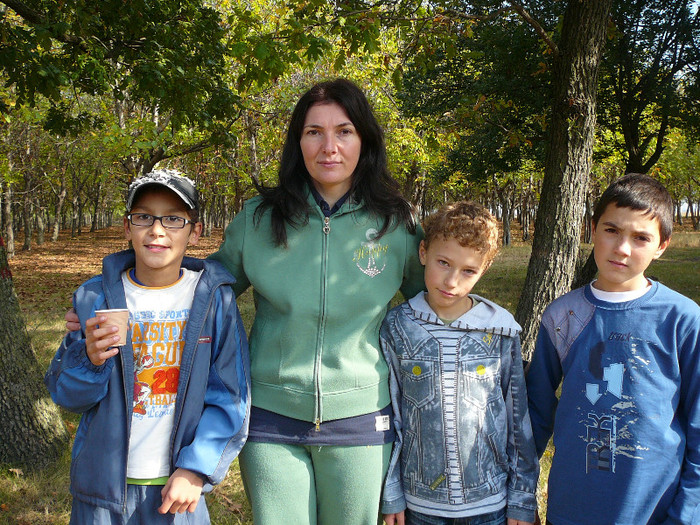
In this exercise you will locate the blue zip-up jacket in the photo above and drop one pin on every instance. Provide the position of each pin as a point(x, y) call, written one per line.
point(465, 446)
point(627, 423)
point(213, 396)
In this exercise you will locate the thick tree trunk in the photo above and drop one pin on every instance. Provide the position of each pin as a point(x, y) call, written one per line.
point(31, 430)
point(567, 165)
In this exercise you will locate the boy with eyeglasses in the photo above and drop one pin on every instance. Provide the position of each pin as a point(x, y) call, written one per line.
point(164, 415)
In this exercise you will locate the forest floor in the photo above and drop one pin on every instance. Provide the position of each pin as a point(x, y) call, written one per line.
point(46, 276)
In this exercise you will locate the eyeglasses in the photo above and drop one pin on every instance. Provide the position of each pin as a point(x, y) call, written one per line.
point(169, 222)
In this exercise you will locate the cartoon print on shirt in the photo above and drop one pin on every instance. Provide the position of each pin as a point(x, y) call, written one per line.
point(371, 251)
point(141, 388)
point(157, 340)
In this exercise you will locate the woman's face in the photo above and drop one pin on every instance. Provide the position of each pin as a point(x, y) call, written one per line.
point(331, 148)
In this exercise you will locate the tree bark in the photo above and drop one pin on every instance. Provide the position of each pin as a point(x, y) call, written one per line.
point(32, 433)
point(567, 164)
point(27, 217)
point(7, 221)
point(40, 224)
point(56, 224)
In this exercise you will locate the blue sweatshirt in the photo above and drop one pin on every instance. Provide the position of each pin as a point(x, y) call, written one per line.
point(627, 424)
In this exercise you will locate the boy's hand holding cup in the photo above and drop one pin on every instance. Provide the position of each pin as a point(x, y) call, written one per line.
point(106, 332)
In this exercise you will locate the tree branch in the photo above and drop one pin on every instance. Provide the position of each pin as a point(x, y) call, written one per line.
point(537, 27)
point(33, 17)
point(25, 11)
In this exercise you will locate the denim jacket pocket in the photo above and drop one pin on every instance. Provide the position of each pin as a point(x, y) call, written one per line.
point(418, 381)
point(480, 380)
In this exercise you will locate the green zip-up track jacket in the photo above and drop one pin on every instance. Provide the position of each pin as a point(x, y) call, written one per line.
point(320, 301)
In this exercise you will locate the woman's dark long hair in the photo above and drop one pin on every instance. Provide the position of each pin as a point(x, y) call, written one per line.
point(371, 182)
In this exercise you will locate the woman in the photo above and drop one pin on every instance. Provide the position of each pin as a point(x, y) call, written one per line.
point(325, 251)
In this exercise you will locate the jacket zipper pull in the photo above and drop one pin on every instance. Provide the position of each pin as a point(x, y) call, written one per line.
point(318, 425)
point(326, 225)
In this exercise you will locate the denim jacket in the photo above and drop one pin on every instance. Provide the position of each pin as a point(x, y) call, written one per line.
point(464, 442)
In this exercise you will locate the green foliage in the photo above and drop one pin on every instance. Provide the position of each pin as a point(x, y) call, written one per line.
point(490, 86)
point(679, 168)
point(649, 79)
point(157, 53)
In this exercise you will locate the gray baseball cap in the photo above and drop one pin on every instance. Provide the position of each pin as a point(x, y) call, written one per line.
point(171, 179)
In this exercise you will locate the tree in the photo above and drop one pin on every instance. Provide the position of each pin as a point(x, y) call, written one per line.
point(491, 88)
point(179, 64)
point(649, 74)
point(571, 126)
point(31, 429)
point(557, 235)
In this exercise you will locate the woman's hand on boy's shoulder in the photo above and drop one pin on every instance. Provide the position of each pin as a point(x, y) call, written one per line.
point(72, 321)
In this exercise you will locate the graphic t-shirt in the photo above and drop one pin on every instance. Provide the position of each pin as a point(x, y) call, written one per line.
point(158, 318)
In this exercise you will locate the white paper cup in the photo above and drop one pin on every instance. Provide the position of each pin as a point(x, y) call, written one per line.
point(119, 318)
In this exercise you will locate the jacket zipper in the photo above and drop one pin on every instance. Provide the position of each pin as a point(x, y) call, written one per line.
point(179, 401)
point(129, 387)
point(322, 321)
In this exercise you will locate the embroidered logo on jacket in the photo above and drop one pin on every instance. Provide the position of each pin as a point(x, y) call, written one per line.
point(370, 254)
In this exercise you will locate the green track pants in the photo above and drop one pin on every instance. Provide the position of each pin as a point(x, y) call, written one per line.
point(312, 485)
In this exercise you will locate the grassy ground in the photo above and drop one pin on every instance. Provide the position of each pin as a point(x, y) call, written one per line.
point(46, 276)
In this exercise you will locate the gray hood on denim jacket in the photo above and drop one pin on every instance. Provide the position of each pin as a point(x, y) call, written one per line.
point(484, 316)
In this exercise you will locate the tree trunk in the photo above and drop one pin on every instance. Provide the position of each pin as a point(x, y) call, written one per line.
point(96, 206)
point(27, 219)
point(505, 198)
point(40, 225)
point(75, 218)
point(31, 430)
point(56, 227)
point(7, 221)
point(567, 164)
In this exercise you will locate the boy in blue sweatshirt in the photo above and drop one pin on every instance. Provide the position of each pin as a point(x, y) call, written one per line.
point(627, 352)
point(464, 451)
point(164, 415)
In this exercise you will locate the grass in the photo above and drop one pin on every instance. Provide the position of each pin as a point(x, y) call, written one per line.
point(46, 277)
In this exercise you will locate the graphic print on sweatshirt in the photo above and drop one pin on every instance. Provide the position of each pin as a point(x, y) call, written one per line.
point(369, 257)
point(158, 319)
point(608, 409)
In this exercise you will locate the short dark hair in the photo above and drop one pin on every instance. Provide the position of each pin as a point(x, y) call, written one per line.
point(639, 192)
point(372, 184)
point(467, 222)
